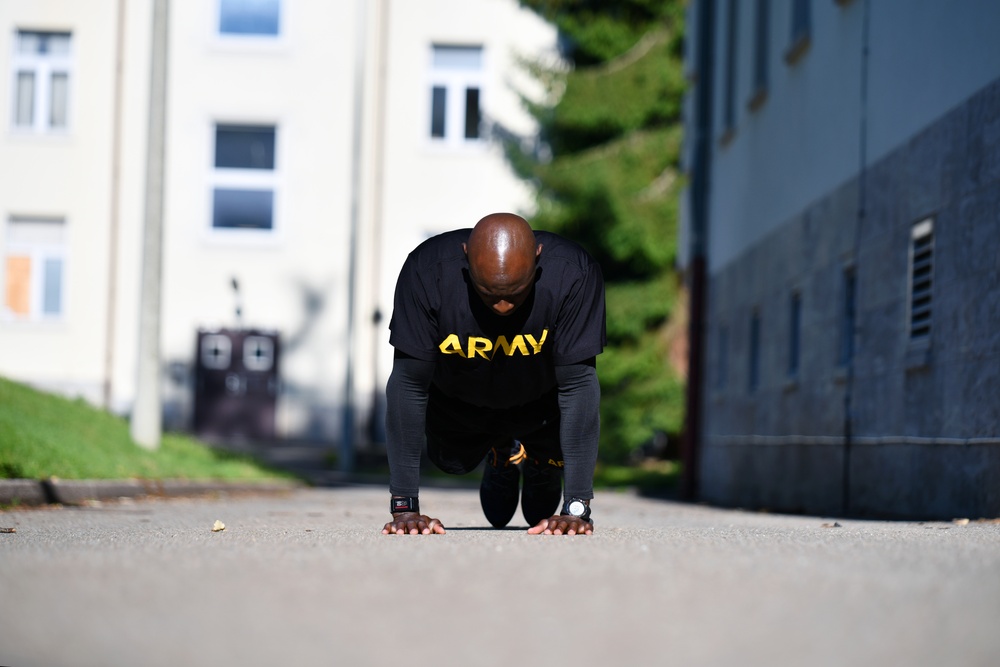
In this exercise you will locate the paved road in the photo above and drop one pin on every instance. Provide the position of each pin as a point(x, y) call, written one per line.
point(306, 579)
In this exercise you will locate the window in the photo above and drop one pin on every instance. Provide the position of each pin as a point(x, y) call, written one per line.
point(216, 351)
point(456, 92)
point(754, 374)
point(761, 53)
point(729, 101)
point(800, 19)
point(41, 81)
point(244, 177)
point(801, 31)
point(250, 17)
point(722, 372)
point(794, 333)
point(921, 278)
point(34, 268)
point(848, 313)
point(258, 353)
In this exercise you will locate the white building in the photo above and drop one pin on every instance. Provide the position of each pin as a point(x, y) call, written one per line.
point(309, 147)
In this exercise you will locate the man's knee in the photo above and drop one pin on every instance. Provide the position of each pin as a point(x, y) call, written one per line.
point(450, 459)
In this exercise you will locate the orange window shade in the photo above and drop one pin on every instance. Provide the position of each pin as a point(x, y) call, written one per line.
point(19, 284)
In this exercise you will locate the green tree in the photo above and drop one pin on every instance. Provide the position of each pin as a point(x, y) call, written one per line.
point(609, 179)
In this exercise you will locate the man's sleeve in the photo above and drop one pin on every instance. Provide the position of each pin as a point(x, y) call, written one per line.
point(579, 426)
point(406, 417)
point(581, 321)
point(413, 325)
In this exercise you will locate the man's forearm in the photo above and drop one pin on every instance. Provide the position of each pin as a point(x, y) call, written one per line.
point(406, 417)
point(579, 426)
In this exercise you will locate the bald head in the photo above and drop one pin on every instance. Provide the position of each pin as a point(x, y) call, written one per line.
point(502, 253)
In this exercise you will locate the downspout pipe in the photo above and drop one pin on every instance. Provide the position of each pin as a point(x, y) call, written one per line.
point(377, 433)
point(862, 193)
point(113, 209)
point(348, 440)
point(698, 249)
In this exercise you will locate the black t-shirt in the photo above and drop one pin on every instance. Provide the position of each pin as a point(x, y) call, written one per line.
point(492, 360)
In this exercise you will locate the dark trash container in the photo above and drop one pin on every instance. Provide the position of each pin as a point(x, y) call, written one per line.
point(236, 384)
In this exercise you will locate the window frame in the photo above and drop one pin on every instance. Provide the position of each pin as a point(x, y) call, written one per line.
point(250, 179)
point(794, 334)
point(801, 26)
point(754, 366)
point(249, 37)
point(722, 358)
point(456, 83)
point(761, 54)
point(730, 78)
point(38, 253)
point(43, 67)
point(847, 321)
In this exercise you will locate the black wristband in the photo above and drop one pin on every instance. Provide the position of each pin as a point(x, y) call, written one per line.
point(399, 504)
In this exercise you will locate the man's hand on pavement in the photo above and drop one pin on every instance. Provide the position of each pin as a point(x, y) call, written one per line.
point(412, 523)
point(562, 525)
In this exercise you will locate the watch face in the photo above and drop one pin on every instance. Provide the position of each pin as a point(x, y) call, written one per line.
point(577, 508)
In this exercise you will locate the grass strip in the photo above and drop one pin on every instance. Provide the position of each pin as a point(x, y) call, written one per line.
point(43, 435)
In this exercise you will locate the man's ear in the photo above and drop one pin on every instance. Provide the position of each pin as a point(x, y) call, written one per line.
point(465, 249)
point(538, 250)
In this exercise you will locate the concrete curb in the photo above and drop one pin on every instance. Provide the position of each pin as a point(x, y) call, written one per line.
point(77, 491)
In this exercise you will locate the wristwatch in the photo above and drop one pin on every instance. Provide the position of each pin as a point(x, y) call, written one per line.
point(399, 504)
point(576, 507)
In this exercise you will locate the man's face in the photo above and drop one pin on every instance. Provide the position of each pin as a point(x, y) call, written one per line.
point(504, 300)
point(504, 286)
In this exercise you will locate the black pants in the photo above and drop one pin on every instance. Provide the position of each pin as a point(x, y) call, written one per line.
point(460, 434)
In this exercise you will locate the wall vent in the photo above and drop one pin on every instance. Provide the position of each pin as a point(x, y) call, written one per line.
point(921, 279)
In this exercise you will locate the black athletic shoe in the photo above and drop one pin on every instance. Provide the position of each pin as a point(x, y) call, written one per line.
point(542, 490)
point(498, 490)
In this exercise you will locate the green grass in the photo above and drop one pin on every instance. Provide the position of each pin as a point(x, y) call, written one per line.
point(653, 477)
point(42, 436)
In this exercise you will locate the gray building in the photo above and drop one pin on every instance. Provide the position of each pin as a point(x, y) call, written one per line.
point(842, 239)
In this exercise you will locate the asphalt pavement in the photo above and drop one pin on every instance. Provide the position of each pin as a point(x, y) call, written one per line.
point(305, 577)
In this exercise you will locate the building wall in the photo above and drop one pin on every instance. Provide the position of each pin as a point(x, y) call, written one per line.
point(908, 427)
point(925, 57)
point(68, 174)
point(292, 279)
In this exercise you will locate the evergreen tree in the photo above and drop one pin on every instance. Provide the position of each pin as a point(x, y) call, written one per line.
point(609, 179)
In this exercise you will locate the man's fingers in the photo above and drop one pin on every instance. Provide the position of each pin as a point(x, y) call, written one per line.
point(561, 525)
point(420, 526)
point(539, 527)
point(433, 527)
